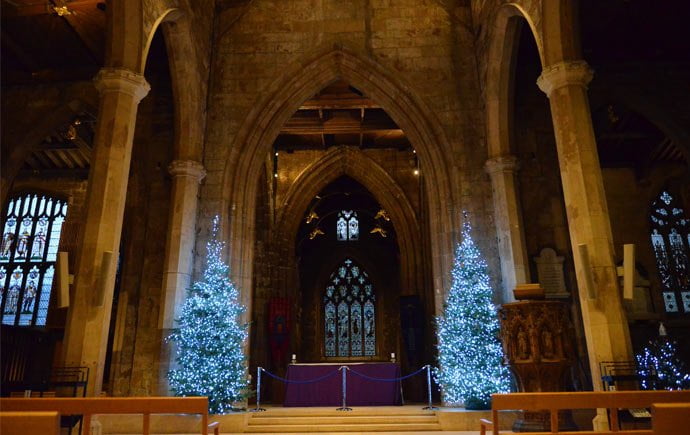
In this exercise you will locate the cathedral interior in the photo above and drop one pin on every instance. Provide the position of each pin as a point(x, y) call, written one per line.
point(337, 139)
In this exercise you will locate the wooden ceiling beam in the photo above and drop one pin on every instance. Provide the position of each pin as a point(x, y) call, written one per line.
point(90, 41)
point(42, 159)
point(335, 102)
point(14, 9)
point(53, 158)
point(80, 174)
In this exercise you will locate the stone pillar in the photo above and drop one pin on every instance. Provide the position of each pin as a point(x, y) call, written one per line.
point(604, 321)
point(509, 227)
point(88, 319)
point(179, 254)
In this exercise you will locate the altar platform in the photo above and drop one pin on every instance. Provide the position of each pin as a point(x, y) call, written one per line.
point(367, 384)
point(380, 420)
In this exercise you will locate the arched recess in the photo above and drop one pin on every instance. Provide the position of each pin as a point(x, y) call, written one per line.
point(500, 74)
point(189, 87)
point(282, 98)
point(354, 163)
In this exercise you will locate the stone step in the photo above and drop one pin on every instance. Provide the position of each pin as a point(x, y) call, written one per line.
point(331, 411)
point(360, 427)
point(354, 419)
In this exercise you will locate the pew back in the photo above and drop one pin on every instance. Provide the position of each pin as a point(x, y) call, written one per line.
point(114, 405)
point(610, 400)
point(21, 423)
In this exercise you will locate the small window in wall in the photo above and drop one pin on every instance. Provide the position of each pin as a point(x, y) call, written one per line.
point(671, 242)
point(30, 240)
point(347, 226)
point(349, 313)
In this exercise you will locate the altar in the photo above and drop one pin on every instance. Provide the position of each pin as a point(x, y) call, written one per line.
point(328, 392)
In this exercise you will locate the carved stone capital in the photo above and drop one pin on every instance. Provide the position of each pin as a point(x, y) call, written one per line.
point(122, 80)
point(564, 74)
point(187, 168)
point(502, 164)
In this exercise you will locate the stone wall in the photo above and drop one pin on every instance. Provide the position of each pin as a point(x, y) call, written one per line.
point(423, 44)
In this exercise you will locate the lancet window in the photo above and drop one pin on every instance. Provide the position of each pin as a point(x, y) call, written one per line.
point(671, 241)
point(347, 225)
point(349, 306)
point(30, 239)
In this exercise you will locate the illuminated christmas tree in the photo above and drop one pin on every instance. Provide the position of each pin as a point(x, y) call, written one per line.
point(469, 352)
point(210, 337)
point(659, 367)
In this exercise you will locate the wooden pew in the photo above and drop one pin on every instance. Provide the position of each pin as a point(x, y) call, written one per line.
point(669, 418)
point(610, 400)
point(116, 405)
point(21, 423)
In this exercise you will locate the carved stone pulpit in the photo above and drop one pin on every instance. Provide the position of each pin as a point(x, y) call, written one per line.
point(538, 347)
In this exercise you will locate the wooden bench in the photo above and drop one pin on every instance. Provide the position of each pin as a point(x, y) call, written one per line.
point(609, 400)
point(668, 418)
point(116, 405)
point(21, 423)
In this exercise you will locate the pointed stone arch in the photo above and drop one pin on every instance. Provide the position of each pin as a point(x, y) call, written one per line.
point(354, 163)
point(283, 97)
point(508, 21)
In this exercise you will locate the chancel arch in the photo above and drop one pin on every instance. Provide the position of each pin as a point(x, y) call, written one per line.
point(354, 163)
point(283, 97)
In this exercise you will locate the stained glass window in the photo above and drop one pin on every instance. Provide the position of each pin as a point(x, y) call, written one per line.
point(30, 240)
point(349, 313)
point(347, 225)
point(671, 243)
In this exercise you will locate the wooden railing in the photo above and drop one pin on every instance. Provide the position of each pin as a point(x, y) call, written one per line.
point(609, 400)
point(16, 423)
point(116, 405)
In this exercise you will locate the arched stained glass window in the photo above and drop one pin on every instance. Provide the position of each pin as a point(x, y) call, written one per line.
point(671, 241)
point(349, 313)
point(30, 240)
point(347, 225)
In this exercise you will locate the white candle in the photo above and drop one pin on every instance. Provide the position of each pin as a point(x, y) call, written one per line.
point(393, 355)
point(294, 357)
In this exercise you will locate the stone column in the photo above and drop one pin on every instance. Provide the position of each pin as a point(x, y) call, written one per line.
point(179, 254)
point(509, 227)
point(604, 321)
point(88, 319)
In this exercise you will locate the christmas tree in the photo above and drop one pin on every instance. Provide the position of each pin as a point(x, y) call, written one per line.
point(210, 337)
point(469, 352)
point(659, 367)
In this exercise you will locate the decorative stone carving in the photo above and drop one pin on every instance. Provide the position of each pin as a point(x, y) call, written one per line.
point(550, 274)
point(537, 343)
point(187, 168)
point(122, 80)
point(564, 74)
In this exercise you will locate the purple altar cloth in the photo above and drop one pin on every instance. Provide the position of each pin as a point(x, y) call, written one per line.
point(360, 391)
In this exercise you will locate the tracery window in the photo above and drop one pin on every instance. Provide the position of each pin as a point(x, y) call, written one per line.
point(349, 313)
point(671, 241)
point(30, 240)
point(347, 225)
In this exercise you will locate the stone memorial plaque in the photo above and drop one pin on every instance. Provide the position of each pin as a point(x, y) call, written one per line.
point(550, 272)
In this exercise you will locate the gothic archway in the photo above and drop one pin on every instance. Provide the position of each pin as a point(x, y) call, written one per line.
point(283, 98)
